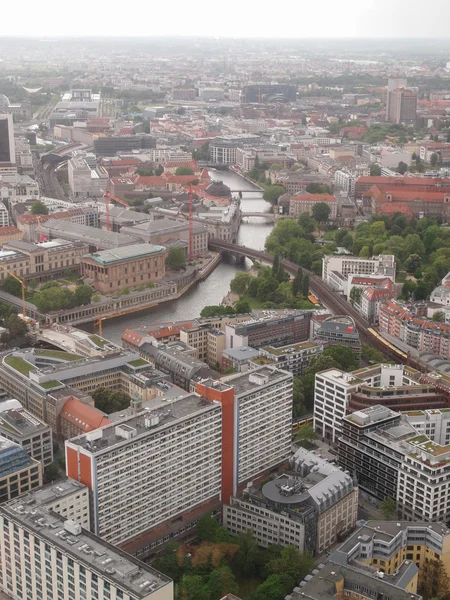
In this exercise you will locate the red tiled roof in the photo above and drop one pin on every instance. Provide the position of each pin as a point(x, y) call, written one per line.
point(30, 219)
point(409, 181)
point(372, 294)
point(132, 336)
point(8, 230)
point(162, 332)
point(389, 208)
point(84, 416)
point(152, 181)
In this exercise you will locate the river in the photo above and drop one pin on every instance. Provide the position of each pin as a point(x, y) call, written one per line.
point(252, 234)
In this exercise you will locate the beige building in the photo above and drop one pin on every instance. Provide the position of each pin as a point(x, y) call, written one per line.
point(42, 261)
point(19, 473)
point(130, 266)
point(303, 203)
point(208, 341)
point(10, 233)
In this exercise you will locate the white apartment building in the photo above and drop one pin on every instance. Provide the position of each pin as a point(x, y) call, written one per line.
point(334, 388)
point(18, 188)
point(341, 266)
point(4, 216)
point(345, 181)
point(151, 467)
point(331, 397)
point(45, 556)
point(84, 181)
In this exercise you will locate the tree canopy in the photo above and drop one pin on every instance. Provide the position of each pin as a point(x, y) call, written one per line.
point(183, 170)
point(38, 208)
point(321, 211)
point(176, 258)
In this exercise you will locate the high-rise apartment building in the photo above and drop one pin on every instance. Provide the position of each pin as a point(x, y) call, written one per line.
point(7, 146)
point(46, 555)
point(153, 473)
point(401, 106)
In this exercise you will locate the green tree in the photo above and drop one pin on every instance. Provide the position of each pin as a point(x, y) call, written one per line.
point(271, 589)
point(434, 159)
point(306, 433)
point(246, 558)
point(213, 311)
point(347, 241)
point(12, 286)
point(388, 507)
point(276, 167)
point(408, 288)
point(176, 258)
point(159, 170)
point(51, 473)
point(297, 283)
point(306, 222)
point(438, 316)
point(183, 170)
point(222, 582)
point(273, 192)
point(291, 562)
point(370, 354)
point(167, 562)
point(343, 355)
point(355, 295)
point(318, 188)
point(193, 587)
point(412, 263)
point(207, 527)
point(305, 286)
point(38, 208)
point(321, 211)
point(298, 399)
point(145, 172)
point(242, 307)
point(240, 283)
point(83, 294)
point(375, 170)
point(433, 580)
point(17, 328)
point(110, 401)
point(402, 167)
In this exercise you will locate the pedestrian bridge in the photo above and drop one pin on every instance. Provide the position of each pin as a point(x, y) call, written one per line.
point(263, 215)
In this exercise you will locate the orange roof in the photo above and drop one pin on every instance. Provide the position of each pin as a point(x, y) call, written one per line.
point(152, 181)
point(162, 332)
point(84, 416)
point(409, 181)
point(8, 230)
point(394, 207)
point(30, 219)
point(132, 336)
point(181, 179)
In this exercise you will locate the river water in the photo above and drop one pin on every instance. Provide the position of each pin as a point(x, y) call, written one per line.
point(253, 233)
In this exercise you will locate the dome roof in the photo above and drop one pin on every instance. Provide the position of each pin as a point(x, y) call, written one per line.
point(4, 102)
point(218, 189)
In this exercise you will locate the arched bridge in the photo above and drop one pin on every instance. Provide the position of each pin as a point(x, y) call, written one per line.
point(334, 302)
point(264, 215)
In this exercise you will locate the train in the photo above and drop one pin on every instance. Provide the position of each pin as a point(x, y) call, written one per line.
point(388, 346)
point(307, 420)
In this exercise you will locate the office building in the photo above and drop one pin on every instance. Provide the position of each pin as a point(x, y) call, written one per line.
point(311, 508)
point(207, 340)
point(398, 387)
point(294, 357)
point(109, 145)
point(184, 94)
point(154, 473)
point(211, 94)
point(240, 358)
point(393, 547)
point(391, 457)
point(86, 181)
point(223, 149)
point(340, 331)
point(334, 580)
point(277, 330)
point(7, 145)
point(267, 92)
point(19, 473)
point(31, 434)
point(131, 266)
point(336, 269)
point(46, 555)
point(401, 106)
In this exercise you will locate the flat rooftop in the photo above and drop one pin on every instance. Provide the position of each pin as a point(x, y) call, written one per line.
point(53, 492)
point(21, 422)
point(290, 348)
point(248, 381)
point(241, 353)
point(162, 411)
point(87, 549)
point(107, 257)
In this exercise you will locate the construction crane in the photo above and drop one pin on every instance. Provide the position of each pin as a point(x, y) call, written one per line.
point(191, 226)
point(23, 288)
point(108, 196)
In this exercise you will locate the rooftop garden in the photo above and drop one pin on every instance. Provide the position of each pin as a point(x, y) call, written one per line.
point(48, 385)
point(20, 365)
point(139, 362)
point(98, 341)
point(414, 413)
point(57, 354)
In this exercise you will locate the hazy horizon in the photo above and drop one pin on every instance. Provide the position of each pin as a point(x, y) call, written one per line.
point(349, 19)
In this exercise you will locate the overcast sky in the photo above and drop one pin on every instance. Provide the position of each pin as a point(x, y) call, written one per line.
point(231, 18)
